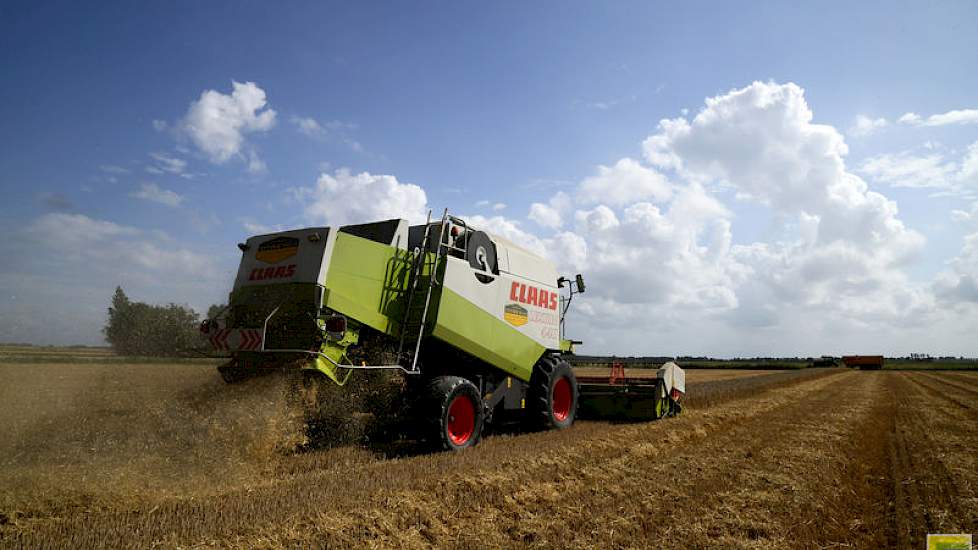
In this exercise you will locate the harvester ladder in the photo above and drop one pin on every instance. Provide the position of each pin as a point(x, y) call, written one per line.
point(421, 260)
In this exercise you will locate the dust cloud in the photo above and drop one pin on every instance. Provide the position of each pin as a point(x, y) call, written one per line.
point(76, 434)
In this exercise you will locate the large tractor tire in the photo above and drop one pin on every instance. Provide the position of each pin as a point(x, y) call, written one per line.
point(552, 395)
point(232, 374)
point(454, 413)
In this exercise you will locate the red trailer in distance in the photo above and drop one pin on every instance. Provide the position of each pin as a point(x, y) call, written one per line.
point(864, 362)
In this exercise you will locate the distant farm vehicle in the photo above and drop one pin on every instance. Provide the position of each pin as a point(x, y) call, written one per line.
point(863, 362)
point(825, 361)
point(472, 323)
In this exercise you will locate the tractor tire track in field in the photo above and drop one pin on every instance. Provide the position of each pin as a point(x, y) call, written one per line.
point(780, 481)
point(961, 387)
point(927, 496)
point(913, 518)
point(940, 390)
point(969, 379)
point(655, 476)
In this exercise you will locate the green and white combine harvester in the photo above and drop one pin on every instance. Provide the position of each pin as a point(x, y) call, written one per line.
point(473, 322)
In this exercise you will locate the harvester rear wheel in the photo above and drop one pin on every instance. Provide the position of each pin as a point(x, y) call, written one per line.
point(455, 413)
point(553, 394)
point(231, 374)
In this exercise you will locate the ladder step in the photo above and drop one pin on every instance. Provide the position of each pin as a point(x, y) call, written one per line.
point(419, 290)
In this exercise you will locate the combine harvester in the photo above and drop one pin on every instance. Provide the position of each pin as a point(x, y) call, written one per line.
point(473, 322)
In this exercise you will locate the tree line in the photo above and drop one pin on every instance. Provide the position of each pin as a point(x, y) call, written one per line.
point(138, 328)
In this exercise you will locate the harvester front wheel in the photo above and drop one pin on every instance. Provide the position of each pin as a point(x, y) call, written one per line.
point(455, 410)
point(553, 394)
point(233, 372)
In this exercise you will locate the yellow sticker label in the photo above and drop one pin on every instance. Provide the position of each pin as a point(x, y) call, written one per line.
point(948, 542)
point(516, 315)
point(277, 249)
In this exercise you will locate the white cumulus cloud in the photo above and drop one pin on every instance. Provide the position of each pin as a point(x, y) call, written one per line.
point(106, 245)
point(624, 183)
point(909, 118)
point(658, 237)
point(958, 116)
point(168, 163)
point(66, 231)
point(545, 215)
point(909, 170)
point(761, 140)
point(345, 198)
point(968, 173)
point(655, 239)
point(966, 216)
point(82, 259)
point(958, 285)
point(255, 164)
point(219, 123)
point(929, 171)
point(551, 215)
point(677, 257)
point(308, 126)
point(865, 126)
point(154, 193)
point(332, 130)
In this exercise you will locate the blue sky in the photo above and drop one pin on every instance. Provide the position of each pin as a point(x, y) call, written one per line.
point(489, 109)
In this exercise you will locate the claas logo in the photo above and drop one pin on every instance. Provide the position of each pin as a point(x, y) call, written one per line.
point(277, 249)
point(531, 295)
point(280, 272)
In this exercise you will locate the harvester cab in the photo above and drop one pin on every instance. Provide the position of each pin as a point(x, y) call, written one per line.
point(472, 321)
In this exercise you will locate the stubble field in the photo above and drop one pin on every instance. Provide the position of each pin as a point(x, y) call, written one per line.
point(137, 455)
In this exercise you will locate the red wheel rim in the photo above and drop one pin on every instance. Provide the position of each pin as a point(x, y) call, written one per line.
point(561, 399)
point(461, 420)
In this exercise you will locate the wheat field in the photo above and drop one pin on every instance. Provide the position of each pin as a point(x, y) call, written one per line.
point(143, 455)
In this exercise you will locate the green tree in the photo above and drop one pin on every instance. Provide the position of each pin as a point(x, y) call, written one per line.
point(214, 310)
point(137, 328)
point(118, 328)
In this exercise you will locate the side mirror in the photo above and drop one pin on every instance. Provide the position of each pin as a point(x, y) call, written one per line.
point(580, 283)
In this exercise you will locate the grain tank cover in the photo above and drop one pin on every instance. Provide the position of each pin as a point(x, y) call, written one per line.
point(673, 377)
point(295, 256)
